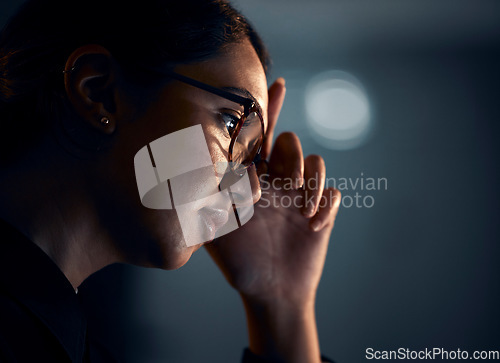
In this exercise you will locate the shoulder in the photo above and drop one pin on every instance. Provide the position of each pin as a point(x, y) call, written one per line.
point(23, 336)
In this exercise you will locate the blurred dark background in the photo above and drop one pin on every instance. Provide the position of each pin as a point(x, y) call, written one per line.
point(420, 268)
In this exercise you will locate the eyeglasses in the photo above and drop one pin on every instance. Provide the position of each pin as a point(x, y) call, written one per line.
point(247, 133)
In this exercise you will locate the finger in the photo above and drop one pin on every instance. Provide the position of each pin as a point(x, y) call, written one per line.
point(314, 183)
point(287, 161)
point(328, 209)
point(276, 98)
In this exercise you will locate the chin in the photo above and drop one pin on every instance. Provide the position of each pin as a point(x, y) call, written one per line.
point(182, 258)
point(174, 258)
point(161, 247)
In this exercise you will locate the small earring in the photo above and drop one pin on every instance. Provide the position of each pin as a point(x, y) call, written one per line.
point(104, 120)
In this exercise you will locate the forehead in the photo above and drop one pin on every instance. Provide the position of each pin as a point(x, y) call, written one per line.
point(237, 66)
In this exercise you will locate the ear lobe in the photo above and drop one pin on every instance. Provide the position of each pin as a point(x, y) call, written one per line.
point(89, 81)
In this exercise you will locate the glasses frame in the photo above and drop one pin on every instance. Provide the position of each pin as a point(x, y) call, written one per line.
point(249, 107)
point(248, 104)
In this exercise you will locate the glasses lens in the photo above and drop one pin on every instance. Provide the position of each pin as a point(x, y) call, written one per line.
point(247, 143)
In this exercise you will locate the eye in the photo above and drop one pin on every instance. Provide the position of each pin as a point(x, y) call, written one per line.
point(230, 121)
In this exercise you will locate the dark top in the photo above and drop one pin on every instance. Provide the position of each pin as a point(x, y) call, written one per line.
point(41, 315)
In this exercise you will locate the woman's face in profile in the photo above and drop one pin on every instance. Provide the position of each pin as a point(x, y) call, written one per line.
point(154, 237)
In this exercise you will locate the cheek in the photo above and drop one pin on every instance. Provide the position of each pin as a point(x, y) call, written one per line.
point(154, 237)
point(141, 236)
point(218, 143)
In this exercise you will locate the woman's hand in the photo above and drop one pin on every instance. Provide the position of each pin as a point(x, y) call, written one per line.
point(279, 254)
point(276, 259)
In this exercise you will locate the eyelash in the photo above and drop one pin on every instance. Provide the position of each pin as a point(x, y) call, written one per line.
point(234, 121)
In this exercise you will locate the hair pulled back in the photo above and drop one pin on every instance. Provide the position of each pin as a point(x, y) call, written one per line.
point(38, 39)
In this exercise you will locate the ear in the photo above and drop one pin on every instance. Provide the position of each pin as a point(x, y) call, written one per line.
point(90, 81)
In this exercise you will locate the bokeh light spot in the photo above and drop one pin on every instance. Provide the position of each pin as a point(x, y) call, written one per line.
point(338, 110)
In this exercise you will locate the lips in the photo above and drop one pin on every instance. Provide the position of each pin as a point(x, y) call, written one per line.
point(212, 220)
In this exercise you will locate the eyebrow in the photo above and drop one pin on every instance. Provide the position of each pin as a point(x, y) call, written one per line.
point(245, 93)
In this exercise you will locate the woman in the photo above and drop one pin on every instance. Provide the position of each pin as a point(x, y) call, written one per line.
point(82, 90)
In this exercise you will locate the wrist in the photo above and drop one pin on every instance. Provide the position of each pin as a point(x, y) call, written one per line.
point(282, 330)
point(279, 310)
point(279, 299)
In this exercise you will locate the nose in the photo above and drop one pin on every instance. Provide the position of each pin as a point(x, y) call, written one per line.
point(254, 184)
point(244, 193)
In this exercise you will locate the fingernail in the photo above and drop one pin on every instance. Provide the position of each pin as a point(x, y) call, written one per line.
point(316, 225)
point(282, 81)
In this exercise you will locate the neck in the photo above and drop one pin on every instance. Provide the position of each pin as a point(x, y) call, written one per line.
point(47, 201)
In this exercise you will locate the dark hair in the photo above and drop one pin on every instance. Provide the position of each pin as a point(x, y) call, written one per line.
point(38, 39)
